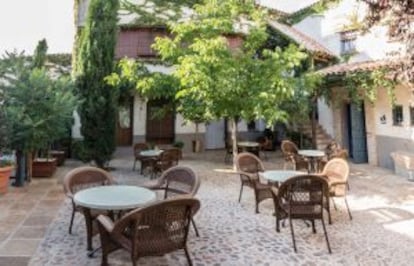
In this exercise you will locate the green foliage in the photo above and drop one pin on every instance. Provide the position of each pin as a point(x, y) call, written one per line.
point(178, 144)
point(98, 107)
point(317, 8)
point(37, 109)
point(228, 83)
point(39, 57)
point(364, 85)
point(156, 12)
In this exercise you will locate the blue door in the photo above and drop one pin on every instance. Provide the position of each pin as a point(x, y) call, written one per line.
point(357, 134)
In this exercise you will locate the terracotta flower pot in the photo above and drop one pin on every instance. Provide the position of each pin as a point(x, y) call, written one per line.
point(5, 173)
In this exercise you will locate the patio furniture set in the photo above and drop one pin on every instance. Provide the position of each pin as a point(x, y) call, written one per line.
point(131, 217)
point(297, 194)
point(155, 160)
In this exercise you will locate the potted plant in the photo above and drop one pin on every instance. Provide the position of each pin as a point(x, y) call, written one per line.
point(179, 144)
point(6, 168)
point(38, 109)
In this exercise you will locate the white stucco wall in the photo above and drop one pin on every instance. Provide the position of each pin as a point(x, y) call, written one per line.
point(404, 97)
point(325, 117)
point(185, 127)
point(325, 29)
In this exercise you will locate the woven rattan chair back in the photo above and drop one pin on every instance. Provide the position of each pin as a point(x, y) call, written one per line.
point(336, 169)
point(81, 178)
point(247, 162)
point(302, 197)
point(157, 229)
point(179, 180)
point(85, 177)
point(248, 166)
point(289, 149)
point(168, 159)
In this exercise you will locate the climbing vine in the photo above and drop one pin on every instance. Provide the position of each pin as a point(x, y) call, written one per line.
point(317, 8)
point(364, 85)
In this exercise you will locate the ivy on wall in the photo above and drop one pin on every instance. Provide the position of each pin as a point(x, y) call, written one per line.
point(360, 86)
point(317, 8)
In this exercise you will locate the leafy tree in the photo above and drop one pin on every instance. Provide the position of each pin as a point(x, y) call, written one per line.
point(216, 81)
point(35, 108)
point(95, 61)
point(399, 16)
point(231, 83)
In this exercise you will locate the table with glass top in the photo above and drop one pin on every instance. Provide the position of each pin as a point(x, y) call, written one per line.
point(314, 156)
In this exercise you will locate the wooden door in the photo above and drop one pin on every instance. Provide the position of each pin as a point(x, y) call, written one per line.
point(160, 124)
point(124, 124)
point(357, 134)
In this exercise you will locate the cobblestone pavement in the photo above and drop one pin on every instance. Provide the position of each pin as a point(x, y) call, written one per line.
point(35, 221)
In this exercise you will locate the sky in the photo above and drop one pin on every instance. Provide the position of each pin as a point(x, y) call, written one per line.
point(24, 22)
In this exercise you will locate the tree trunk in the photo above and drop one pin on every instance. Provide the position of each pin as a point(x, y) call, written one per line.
point(313, 123)
point(234, 140)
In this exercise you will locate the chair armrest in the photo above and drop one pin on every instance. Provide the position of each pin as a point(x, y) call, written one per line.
point(106, 222)
point(335, 183)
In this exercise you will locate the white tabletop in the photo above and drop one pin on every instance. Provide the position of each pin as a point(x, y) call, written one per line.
point(279, 175)
point(150, 153)
point(311, 153)
point(114, 197)
point(248, 144)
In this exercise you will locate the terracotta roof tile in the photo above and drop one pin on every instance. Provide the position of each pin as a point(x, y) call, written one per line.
point(308, 43)
point(357, 66)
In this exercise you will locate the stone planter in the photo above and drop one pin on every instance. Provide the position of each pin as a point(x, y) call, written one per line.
point(5, 173)
point(43, 167)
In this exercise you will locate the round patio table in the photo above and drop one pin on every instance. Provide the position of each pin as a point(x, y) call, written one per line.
point(110, 198)
point(114, 197)
point(314, 156)
point(250, 146)
point(279, 176)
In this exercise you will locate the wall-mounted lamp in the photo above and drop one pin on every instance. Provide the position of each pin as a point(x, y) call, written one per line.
point(383, 119)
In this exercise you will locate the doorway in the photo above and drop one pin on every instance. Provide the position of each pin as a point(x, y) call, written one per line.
point(357, 137)
point(124, 123)
point(160, 123)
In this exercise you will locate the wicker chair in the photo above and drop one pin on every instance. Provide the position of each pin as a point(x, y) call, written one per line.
point(291, 156)
point(333, 150)
point(177, 181)
point(79, 179)
point(301, 197)
point(336, 171)
point(167, 159)
point(154, 230)
point(248, 166)
point(138, 147)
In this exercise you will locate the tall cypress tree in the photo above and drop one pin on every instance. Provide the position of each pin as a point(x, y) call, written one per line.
point(95, 61)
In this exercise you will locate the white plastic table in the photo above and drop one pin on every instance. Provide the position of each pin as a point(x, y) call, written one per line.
point(279, 176)
point(115, 197)
point(314, 156)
